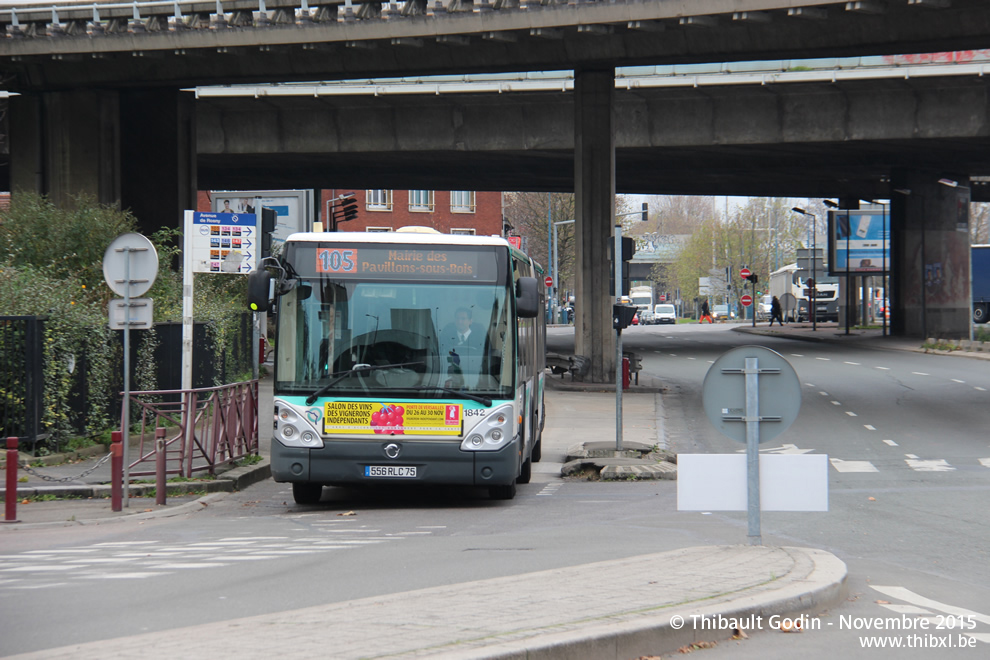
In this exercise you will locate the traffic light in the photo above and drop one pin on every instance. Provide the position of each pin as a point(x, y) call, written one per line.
point(646, 211)
point(628, 249)
point(753, 278)
point(344, 209)
point(268, 220)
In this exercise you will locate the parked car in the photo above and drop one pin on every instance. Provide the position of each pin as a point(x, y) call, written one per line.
point(664, 314)
point(646, 317)
point(723, 313)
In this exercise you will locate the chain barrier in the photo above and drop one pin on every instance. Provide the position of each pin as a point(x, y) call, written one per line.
point(45, 477)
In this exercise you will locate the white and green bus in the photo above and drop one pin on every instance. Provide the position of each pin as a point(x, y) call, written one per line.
point(404, 357)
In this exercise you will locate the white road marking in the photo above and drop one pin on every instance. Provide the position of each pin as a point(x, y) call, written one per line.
point(836, 403)
point(852, 466)
point(982, 389)
point(915, 599)
point(920, 373)
point(824, 359)
point(869, 427)
point(797, 354)
point(891, 443)
point(549, 490)
point(956, 380)
point(985, 462)
point(933, 465)
point(911, 455)
point(851, 413)
point(883, 368)
point(125, 576)
point(855, 364)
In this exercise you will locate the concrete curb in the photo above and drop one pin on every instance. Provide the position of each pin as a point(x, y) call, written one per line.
point(187, 507)
point(820, 582)
point(234, 479)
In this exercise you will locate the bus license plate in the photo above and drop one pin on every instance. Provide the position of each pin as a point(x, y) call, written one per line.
point(389, 471)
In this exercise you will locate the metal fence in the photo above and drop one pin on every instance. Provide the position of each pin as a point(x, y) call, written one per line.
point(201, 428)
point(22, 377)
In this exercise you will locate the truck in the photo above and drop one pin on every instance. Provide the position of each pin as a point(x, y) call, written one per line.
point(792, 291)
point(981, 283)
point(642, 298)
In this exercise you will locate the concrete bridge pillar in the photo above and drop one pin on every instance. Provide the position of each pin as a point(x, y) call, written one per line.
point(930, 256)
point(132, 149)
point(594, 183)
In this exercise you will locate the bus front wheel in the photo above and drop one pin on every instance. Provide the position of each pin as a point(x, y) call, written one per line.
point(307, 493)
point(502, 492)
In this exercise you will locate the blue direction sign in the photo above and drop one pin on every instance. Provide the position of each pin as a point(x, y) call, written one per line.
point(222, 242)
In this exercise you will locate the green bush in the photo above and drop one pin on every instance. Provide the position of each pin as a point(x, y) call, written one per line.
point(51, 265)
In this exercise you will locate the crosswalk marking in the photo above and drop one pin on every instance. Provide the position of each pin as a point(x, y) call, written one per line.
point(852, 466)
point(934, 465)
point(136, 560)
point(891, 443)
point(913, 462)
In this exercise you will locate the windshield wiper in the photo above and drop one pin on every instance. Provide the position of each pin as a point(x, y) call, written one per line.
point(356, 369)
point(483, 400)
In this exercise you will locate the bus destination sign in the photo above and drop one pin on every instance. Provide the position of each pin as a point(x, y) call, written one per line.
point(387, 262)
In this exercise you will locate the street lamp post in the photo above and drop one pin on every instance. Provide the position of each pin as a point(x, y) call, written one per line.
point(884, 232)
point(556, 270)
point(814, 266)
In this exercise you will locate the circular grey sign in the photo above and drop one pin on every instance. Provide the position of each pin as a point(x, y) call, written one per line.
point(143, 264)
point(724, 392)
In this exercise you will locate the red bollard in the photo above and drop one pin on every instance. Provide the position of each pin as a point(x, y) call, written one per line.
point(116, 471)
point(160, 487)
point(10, 496)
point(625, 373)
point(261, 350)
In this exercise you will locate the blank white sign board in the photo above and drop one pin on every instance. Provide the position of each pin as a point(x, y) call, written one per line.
point(717, 482)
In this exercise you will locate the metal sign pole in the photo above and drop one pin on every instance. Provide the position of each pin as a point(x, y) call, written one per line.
point(187, 302)
point(753, 451)
point(126, 412)
point(617, 257)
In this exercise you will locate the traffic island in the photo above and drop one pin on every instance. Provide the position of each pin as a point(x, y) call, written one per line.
point(635, 461)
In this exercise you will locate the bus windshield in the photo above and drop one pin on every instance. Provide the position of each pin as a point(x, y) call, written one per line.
point(394, 337)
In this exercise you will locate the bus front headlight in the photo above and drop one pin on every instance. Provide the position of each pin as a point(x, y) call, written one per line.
point(492, 433)
point(293, 429)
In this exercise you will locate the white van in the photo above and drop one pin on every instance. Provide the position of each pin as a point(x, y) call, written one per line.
point(664, 314)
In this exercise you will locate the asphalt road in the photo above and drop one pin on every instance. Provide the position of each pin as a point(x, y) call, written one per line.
point(905, 434)
point(909, 486)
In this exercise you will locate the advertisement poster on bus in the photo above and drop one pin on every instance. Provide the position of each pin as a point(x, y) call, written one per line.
point(859, 242)
point(404, 418)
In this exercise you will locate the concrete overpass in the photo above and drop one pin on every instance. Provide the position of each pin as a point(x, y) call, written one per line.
point(101, 110)
point(792, 136)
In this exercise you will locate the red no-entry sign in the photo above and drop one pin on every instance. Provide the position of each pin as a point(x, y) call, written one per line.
point(548, 280)
point(745, 272)
point(746, 300)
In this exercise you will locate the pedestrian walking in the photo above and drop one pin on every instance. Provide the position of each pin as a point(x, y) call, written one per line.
point(775, 312)
point(706, 312)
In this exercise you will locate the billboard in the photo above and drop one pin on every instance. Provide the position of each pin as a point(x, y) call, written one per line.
point(294, 208)
point(858, 242)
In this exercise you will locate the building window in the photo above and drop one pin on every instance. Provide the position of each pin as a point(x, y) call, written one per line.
point(464, 231)
point(421, 200)
point(378, 229)
point(462, 201)
point(378, 200)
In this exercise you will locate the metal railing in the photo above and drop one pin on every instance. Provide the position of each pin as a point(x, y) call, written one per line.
point(202, 428)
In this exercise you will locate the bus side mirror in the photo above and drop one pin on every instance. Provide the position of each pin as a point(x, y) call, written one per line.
point(527, 297)
point(259, 287)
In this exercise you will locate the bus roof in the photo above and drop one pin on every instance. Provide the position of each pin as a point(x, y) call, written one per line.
point(389, 237)
point(408, 238)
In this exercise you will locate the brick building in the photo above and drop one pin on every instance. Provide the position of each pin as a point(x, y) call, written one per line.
point(449, 212)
